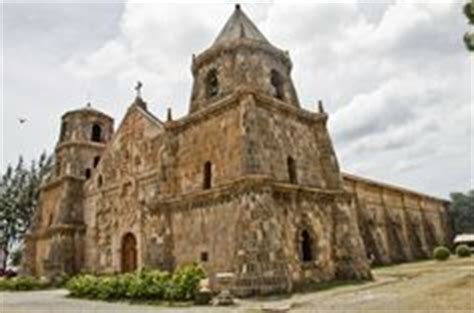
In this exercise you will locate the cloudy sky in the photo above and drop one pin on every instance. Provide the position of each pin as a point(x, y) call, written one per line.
point(394, 76)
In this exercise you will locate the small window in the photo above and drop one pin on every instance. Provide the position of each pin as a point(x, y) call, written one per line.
point(100, 181)
point(204, 257)
point(207, 184)
point(63, 134)
point(277, 83)
point(212, 83)
point(88, 173)
point(291, 165)
point(96, 161)
point(96, 133)
point(306, 247)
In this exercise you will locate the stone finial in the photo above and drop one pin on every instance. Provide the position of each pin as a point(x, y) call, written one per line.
point(321, 106)
point(89, 105)
point(170, 115)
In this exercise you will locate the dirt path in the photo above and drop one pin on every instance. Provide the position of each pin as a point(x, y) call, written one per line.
point(426, 287)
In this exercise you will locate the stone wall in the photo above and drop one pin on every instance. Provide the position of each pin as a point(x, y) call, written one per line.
point(252, 227)
point(275, 132)
point(124, 180)
point(397, 224)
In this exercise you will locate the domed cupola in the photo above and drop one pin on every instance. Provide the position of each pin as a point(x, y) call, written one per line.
point(241, 57)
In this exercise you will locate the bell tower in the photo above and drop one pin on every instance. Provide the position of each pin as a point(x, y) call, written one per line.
point(241, 57)
point(54, 244)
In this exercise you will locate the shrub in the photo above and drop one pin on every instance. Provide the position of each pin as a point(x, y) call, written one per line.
point(142, 286)
point(463, 251)
point(441, 253)
point(22, 283)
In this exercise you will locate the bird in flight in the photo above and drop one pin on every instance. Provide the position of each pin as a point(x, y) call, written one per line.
point(22, 120)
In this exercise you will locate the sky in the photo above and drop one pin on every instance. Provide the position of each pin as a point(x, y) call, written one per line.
point(394, 76)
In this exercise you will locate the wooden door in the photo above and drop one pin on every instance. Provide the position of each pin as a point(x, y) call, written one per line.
point(129, 253)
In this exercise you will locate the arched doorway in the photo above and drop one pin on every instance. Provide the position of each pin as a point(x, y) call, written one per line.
point(306, 246)
point(129, 253)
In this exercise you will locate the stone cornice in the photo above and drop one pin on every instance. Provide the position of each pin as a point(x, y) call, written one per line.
point(273, 104)
point(87, 111)
point(58, 181)
point(225, 192)
point(235, 45)
point(77, 143)
point(63, 229)
point(233, 100)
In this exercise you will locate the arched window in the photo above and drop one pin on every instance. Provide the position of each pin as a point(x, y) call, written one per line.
point(62, 136)
point(212, 83)
point(88, 173)
point(100, 181)
point(96, 133)
point(277, 83)
point(291, 165)
point(207, 183)
point(306, 246)
point(96, 161)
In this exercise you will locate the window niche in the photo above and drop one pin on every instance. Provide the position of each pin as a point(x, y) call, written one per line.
point(204, 256)
point(276, 80)
point(96, 161)
point(100, 181)
point(306, 247)
point(96, 133)
point(291, 166)
point(212, 83)
point(207, 182)
point(88, 173)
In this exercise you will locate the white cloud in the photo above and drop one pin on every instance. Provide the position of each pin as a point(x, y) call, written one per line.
point(394, 76)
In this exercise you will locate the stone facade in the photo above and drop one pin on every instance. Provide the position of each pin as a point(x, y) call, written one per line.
point(248, 182)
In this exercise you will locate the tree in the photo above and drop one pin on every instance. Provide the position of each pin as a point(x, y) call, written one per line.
point(19, 193)
point(469, 36)
point(462, 212)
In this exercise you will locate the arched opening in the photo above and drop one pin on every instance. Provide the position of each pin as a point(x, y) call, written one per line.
point(277, 83)
point(88, 173)
point(100, 181)
point(96, 161)
point(96, 133)
point(207, 183)
point(212, 83)
point(129, 253)
point(306, 247)
point(291, 165)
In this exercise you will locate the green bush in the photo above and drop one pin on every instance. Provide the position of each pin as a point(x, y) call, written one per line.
point(441, 253)
point(142, 286)
point(23, 283)
point(463, 251)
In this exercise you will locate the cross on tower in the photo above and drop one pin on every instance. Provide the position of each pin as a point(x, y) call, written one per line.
point(138, 89)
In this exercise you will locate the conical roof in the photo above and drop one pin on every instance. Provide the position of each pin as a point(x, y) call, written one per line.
point(239, 26)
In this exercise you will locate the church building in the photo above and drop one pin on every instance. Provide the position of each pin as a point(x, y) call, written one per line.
point(247, 182)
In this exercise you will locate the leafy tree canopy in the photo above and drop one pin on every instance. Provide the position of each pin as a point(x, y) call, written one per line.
point(462, 212)
point(19, 192)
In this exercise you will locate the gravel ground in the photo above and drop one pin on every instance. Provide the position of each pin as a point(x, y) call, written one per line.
point(425, 287)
